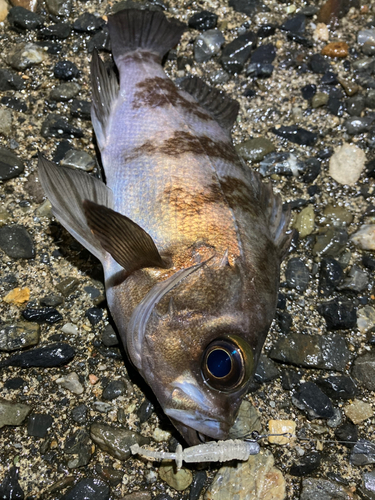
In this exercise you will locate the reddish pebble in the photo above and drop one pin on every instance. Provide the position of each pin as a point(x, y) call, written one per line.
point(336, 49)
point(93, 379)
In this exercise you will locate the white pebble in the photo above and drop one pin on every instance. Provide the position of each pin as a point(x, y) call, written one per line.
point(70, 329)
point(365, 237)
point(346, 164)
point(71, 383)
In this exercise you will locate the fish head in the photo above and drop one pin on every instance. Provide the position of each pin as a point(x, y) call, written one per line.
point(196, 348)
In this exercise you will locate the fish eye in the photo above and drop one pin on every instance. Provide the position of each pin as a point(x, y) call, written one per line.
point(227, 363)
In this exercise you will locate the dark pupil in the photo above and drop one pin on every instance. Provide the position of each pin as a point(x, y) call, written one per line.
point(219, 363)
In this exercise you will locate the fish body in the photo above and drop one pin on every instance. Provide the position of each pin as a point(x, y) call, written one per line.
point(190, 239)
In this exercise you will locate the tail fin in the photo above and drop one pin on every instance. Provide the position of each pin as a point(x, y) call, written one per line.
point(146, 30)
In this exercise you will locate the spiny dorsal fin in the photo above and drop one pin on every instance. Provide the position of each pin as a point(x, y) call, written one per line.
point(221, 107)
point(127, 242)
point(104, 92)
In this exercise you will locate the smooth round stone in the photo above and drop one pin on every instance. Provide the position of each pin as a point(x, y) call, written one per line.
point(349, 87)
point(358, 125)
point(10, 487)
point(347, 432)
point(18, 336)
point(336, 49)
point(366, 321)
point(26, 55)
point(12, 413)
point(364, 369)
point(248, 480)
point(71, 383)
point(366, 35)
point(320, 99)
point(67, 286)
point(305, 221)
point(365, 237)
point(203, 20)
point(247, 421)
point(57, 126)
point(114, 389)
point(15, 241)
point(89, 488)
point(24, 19)
point(88, 23)
point(5, 122)
point(178, 480)
point(59, 7)
point(355, 105)
point(65, 70)
point(10, 165)
point(254, 150)
point(116, 441)
point(358, 411)
point(145, 411)
point(347, 164)
point(368, 48)
point(109, 337)
point(207, 45)
point(78, 159)
point(308, 91)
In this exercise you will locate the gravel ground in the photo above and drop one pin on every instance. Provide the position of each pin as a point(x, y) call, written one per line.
point(62, 268)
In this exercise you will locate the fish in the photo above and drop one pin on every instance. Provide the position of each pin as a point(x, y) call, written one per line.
point(190, 239)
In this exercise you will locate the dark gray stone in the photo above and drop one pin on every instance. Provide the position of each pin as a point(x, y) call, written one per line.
point(38, 424)
point(364, 370)
point(10, 165)
point(89, 488)
point(15, 241)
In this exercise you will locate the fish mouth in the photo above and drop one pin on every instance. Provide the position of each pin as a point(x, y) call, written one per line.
point(190, 425)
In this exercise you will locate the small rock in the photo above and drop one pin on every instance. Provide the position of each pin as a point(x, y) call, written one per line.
point(10, 487)
point(200, 478)
point(67, 286)
point(308, 464)
point(25, 55)
point(52, 301)
point(100, 41)
point(138, 495)
point(79, 414)
point(363, 453)
point(237, 52)
point(364, 369)
point(15, 241)
point(366, 35)
point(347, 164)
point(114, 389)
point(296, 134)
point(59, 31)
point(5, 122)
point(358, 125)
point(18, 336)
point(305, 221)
point(10, 80)
point(320, 99)
point(313, 401)
point(281, 427)
point(94, 315)
point(65, 91)
point(109, 337)
point(59, 7)
point(347, 432)
point(319, 64)
point(297, 274)
point(39, 424)
point(207, 45)
point(57, 126)
point(308, 91)
point(248, 7)
point(368, 485)
point(78, 444)
point(65, 70)
point(42, 315)
point(266, 370)
point(356, 280)
point(17, 296)
point(71, 383)
point(89, 488)
point(4, 7)
point(179, 480)
point(365, 237)
point(24, 19)
point(295, 24)
point(78, 159)
point(340, 314)
point(330, 241)
point(254, 150)
point(336, 49)
point(145, 411)
point(358, 411)
point(251, 480)
point(12, 413)
point(81, 109)
point(330, 276)
point(58, 354)
point(88, 23)
point(116, 441)
point(338, 387)
point(247, 421)
point(317, 489)
point(203, 21)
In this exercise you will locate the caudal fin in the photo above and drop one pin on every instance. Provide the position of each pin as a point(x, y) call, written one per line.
point(149, 31)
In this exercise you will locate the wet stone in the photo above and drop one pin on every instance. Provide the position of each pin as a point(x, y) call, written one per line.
point(207, 45)
point(15, 241)
point(18, 336)
point(38, 424)
point(78, 159)
point(330, 276)
point(296, 134)
point(116, 441)
point(14, 103)
point(317, 489)
point(308, 464)
point(247, 421)
point(340, 314)
point(338, 387)
point(237, 52)
point(368, 262)
point(58, 354)
point(358, 411)
point(109, 337)
point(312, 351)
point(308, 91)
point(6, 120)
point(368, 486)
point(368, 48)
point(311, 170)
point(330, 241)
point(81, 109)
point(79, 414)
point(15, 383)
point(266, 370)
point(94, 315)
point(49, 47)
point(356, 280)
point(347, 432)
point(43, 315)
point(10, 165)
point(336, 106)
point(59, 31)
point(88, 23)
point(370, 99)
point(203, 21)
point(25, 55)
point(114, 477)
point(71, 383)
point(51, 300)
point(178, 480)
point(357, 125)
point(65, 91)
point(67, 286)
point(364, 370)
point(363, 453)
point(365, 237)
point(12, 413)
point(79, 445)
point(22, 18)
point(319, 64)
point(59, 7)
point(266, 30)
point(297, 274)
point(10, 80)
point(313, 401)
point(145, 411)
point(10, 488)
point(114, 389)
point(89, 488)
point(290, 379)
point(248, 7)
point(320, 99)
point(295, 24)
point(254, 150)
point(65, 70)
point(329, 78)
point(366, 35)
point(199, 480)
point(57, 126)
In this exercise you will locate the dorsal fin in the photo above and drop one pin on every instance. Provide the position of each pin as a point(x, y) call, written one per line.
point(222, 108)
point(127, 242)
point(104, 93)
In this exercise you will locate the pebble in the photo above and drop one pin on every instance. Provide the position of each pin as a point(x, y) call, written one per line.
point(368, 48)
point(254, 150)
point(109, 337)
point(366, 35)
point(65, 92)
point(58, 354)
point(237, 52)
point(308, 91)
point(357, 125)
point(78, 159)
point(18, 336)
point(281, 427)
point(330, 241)
point(88, 23)
point(38, 424)
point(320, 99)
point(290, 379)
point(313, 401)
point(116, 441)
point(365, 237)
point(358, 411)
point(311, 170)
point(297, 274)
point(94, 315)
point(336, 49)
point(347, 432)
point(138, 495)
point(4, 8)
point(178, 480)
point(317, 489)
point(52, 301)
point(12, 413)
point(347, 164)
point(266, 370)
point(295, 24)
point(247, 421)
point(304, 222)
point(25, 55)
point(251, 480)
point(306, 465)
point(89, 488)
point(16, 242)
point(81, 109)
point(59, 7)
point(65, 70)
point(10, 80)
point(330, 276)
point(145, 411)
point(199, 480)
point(14, 103)
point(203, 20)
point(335, 216)
point(100, 41)
point(43, 315)
point(315, 351)
point(57, 126)
point(339, 313)
point(114, 389)
point(5, 122)
point(319, 64)
point(10, 488)
point(367, 488)
point(80, 446)
point(17, 296)
point(24, 19)
point(71, 383)
point(59, 31)
point(296, 134)
point(10, 165)
point(207, 45)
point(338, 387)
point(67, 286)
point(363, 453)
point(79, 414)
point(356, 280)
point(364, 369)
point(14, 383)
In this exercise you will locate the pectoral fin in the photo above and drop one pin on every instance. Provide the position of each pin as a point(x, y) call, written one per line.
point(127, 242)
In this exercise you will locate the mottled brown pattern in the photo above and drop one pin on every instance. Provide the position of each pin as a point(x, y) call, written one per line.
point(238, 194)
point(191, 203)
point(157, 92)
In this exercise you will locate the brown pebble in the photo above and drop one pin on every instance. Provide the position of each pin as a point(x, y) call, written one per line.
point(336, 49)
point(350, 88)
point(26, 4)
point(333, 10)
point(138, 495)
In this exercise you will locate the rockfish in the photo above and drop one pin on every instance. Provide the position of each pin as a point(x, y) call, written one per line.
point(189, 237)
